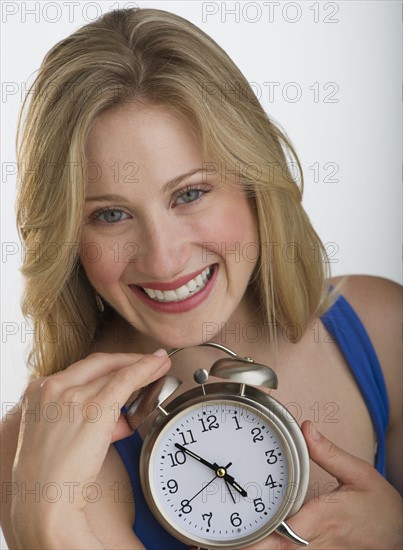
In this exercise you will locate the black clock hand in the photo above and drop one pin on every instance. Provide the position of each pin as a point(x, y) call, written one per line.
point(202, 489)
point(230, 492)
point(220, 471)
point(197, 457)
point(231, 480)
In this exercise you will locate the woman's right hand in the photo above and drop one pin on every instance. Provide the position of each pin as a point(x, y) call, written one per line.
point(68, 422)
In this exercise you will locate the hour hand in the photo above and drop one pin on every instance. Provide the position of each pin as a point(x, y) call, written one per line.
point(222, 472)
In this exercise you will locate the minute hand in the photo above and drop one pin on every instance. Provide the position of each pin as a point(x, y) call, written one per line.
point(220, 471)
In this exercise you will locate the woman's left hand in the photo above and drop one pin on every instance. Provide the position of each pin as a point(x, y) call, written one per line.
point(363, 512)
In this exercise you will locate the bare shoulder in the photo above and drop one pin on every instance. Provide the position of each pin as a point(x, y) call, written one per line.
point(9, 431)
point(378, 303)
point(368, 288)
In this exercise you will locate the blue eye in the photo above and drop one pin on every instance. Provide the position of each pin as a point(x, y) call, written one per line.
point(110, 215)
point(191, 194)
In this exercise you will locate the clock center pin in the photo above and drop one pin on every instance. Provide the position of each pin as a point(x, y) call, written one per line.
point(221, 472)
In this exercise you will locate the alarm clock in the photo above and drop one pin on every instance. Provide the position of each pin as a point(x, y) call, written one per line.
point(224, 464)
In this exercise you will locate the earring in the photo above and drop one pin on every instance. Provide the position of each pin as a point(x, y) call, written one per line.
point(99, 302)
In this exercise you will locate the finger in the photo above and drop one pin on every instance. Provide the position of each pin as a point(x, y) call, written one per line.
point(128, 379)
point(101, 391)
point(346, 468)
point(274, 542)
point(78, 389)
point(95, 366)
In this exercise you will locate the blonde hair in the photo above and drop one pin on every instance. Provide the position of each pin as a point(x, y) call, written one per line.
point(150, 55)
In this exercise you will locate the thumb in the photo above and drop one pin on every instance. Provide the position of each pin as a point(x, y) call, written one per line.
point(346, 468)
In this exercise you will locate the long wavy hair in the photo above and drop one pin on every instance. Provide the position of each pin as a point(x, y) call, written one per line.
point(154, 56)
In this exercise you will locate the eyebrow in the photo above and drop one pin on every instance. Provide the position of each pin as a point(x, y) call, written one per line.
point(168, 186)
point(171, 184)
point(106, 198)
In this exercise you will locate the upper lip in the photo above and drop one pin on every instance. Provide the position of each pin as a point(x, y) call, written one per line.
point(174, 284)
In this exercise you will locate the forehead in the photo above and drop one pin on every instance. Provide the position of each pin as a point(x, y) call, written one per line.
point(137, 127)
point(152, 141)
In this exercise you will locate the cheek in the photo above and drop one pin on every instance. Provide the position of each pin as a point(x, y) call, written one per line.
point(102, 262)
point(235, 245)
point(243, 226)
point(235, 234)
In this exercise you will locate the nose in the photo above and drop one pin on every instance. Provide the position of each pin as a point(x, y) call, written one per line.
point(164, 250)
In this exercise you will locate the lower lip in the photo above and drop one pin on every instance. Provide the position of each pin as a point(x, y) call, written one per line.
point(177, 307)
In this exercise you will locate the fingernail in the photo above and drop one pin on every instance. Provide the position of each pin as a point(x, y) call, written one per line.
point(160, 352)
point(314, 433)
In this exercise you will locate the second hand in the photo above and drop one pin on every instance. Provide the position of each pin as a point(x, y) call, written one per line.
point(207, 484)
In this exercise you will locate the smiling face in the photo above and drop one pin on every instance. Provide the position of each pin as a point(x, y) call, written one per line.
point(170, 246)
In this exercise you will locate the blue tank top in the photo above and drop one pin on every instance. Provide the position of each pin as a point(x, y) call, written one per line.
point(346, 329)
point(344, 325)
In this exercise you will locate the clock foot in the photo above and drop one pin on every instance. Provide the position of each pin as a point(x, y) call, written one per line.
point(284, 530)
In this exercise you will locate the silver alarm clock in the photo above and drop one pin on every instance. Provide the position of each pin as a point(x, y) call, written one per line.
point(224, 464)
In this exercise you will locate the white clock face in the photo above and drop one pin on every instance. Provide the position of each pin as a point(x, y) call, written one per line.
point(219, 471)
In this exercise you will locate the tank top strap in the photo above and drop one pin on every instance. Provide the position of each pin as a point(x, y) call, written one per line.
point(346, 328)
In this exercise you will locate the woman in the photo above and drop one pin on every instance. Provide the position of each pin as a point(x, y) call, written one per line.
point(176, 220)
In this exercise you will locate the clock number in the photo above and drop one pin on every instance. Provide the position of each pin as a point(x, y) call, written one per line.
point(259, 505)
point(172, 486)
point(269, 481)
point(184, 437)
point(238, 427)
point(208, 518)
point(235, 519)
point(256, 432)
point(178, 458)
point(185, 507)
point(211, 421)
point(272, 459)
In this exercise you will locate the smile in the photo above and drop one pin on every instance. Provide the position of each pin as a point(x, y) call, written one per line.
point(192, 287)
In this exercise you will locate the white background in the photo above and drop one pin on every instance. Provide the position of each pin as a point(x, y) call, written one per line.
point(350, 117)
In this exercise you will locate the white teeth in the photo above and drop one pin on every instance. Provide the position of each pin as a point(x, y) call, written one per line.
point(182, 292)
point(170, 295)
point(191, 287)
point(151, 293)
